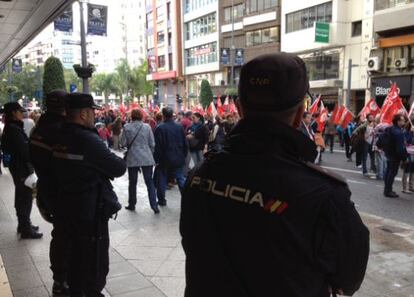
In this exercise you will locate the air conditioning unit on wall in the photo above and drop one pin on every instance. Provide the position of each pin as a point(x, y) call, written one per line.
point(373, 64)
point(400, 63)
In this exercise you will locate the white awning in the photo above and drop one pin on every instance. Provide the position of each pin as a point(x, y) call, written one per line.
point(22, 20)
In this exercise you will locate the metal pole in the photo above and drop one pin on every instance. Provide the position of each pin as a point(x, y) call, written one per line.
point(83, 47)
point(9, 72)
point(348, 95)
point(232, 45)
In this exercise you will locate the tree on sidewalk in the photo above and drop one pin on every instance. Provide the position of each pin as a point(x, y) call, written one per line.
point(53, 77)
point(206, 94)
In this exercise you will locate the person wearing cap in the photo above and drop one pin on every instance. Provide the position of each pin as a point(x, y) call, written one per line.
point(282, 226)
point(83, 167)
point(42, 140)
point(15, 145)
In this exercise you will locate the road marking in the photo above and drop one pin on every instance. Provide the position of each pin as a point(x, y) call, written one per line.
point(350, 171)
point(355, 182)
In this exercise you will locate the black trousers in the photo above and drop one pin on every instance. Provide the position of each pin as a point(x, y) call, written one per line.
point(23, 200)
point(390, 174)
point(59, 252)
point(330, 139)
point(89, 258)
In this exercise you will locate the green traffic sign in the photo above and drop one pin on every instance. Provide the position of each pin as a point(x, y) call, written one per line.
point(322, 32)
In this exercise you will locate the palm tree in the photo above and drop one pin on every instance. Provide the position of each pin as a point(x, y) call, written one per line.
point(105, 84)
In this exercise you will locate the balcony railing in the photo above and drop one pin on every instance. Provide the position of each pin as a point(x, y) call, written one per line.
point(385, 4)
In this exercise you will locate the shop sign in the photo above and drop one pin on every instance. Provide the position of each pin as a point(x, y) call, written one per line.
point(382, 86)
point(322, 32)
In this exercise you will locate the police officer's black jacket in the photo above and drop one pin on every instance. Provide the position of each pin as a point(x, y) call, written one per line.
point(42, 140)
point(257, 220)
point(16, 143)
point(83, 166)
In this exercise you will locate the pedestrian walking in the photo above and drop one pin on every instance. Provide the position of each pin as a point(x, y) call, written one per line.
point(395, 151)
point(366, 132)
point(217, 135)
point(197, 138)
point(282, 226)
point(380, 159)
point(83, 167)
point(139, 140)
point(330, 132)
point(116, 132)
point(42, 140)
point(347, 135)
point(15, 147)
point(170, 154)
point(408, 165)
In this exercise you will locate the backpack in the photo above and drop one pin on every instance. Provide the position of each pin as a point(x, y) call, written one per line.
point(384, 140)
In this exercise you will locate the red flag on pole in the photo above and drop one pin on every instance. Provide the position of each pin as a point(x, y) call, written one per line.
point(338, 115)
point(219, 106)
point(370, 108)
point(226, 105)
point(391, 105)
point(211, 110)
point(334, 112)
point(321, 119)
point(346, 118)
point(232, 107)
point(315, 105)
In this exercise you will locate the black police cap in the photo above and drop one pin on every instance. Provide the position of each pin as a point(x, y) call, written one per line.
point(56, 100)
point(81, 100)
point(9, 107)
point(273, 82)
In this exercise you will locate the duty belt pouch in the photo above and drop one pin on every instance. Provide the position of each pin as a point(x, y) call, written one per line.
point(111, 204)
point(6, 159)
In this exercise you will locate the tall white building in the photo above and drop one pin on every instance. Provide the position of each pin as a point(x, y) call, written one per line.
point(350, 36)
point(124, 39)
point(201, 44)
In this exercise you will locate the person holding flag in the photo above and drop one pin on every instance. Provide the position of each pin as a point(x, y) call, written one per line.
point(367, 130)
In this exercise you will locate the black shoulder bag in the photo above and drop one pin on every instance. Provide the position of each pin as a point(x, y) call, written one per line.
point(129, 145)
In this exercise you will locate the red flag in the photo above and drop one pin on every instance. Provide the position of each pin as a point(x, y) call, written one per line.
point(391, 105)
point(334, 112)
point(219, 106)
point(232, 107)
point(122, 110)
point(226, 105)
point(315, 105)
point(338, 116)
point(370, 108)
point(346, 118)
point(321, 119)
point(211, 109)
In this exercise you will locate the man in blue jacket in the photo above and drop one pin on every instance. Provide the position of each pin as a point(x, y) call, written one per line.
point(395, 153)
point(170, 153)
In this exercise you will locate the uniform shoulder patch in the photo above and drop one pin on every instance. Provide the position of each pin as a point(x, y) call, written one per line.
point(326, 172)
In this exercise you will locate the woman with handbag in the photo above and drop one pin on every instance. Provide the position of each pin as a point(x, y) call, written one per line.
point(139, 140)
point(197, 137)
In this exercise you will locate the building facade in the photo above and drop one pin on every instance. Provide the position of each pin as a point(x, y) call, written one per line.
point(165, 50)
point(392, 56)
point(200, 29)
point(330, 36)
point(249, 28)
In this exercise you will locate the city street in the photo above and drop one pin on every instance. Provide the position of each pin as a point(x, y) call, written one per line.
point(146, 255)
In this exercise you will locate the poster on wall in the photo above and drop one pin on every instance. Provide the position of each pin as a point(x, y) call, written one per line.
point(239, 56)
point(64, 22)
point(152, 64)
point(17, 65)
point(225, 56)
point(97, 19)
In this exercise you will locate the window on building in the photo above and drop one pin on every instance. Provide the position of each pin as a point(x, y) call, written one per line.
point(267, 35)
point(200, 55)
point(161, 61)
point(253, 6)
point(170, 61)
point(201, 27)
point(384, 4)
point(169, 11)
point(356, 29)
point(160, 12)
point(237, 13)
point(160, 37)
point(150, 20)
point(191, 5)
point(305, 18)
point(169, 38)
point(321, 67)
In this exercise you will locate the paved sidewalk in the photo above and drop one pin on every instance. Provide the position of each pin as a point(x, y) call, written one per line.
point(147, 259)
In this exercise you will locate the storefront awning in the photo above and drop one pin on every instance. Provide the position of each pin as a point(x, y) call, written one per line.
point(22, 20)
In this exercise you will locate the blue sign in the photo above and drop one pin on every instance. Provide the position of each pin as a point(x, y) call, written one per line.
point(239, 56)
point(225, 56)
point(73, 88)
point(17, 65)
point(97, 19)
point(64, 22)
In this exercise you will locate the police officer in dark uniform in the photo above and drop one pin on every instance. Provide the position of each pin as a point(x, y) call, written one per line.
point(15, 147)
point(83, 166)
point(259, 218)
point(42, 140)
